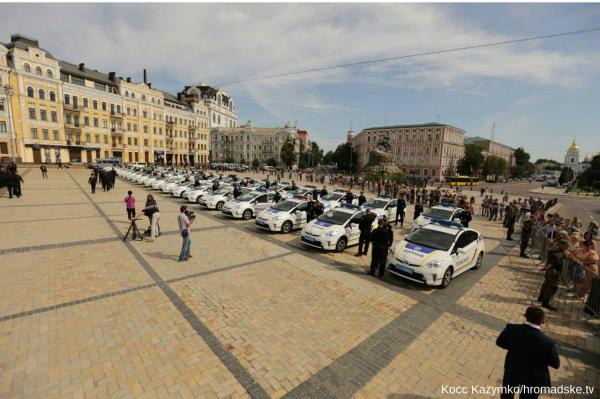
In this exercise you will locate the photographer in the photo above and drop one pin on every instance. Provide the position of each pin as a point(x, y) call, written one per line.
point(152, 212)
point(185, 220)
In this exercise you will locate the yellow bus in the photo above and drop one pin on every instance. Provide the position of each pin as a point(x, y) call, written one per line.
point(462, 181)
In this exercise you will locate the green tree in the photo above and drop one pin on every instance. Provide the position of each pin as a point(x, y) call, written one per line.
point(288, 153)
point(523, 167)
point(255, 163)
point(272, 162)
point(589, 180)
point(399, 177)
point(471, 162)
point(345, 157)
point(566, 175)
point(329, 158)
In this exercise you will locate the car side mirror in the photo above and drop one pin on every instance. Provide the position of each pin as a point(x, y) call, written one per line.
point(461, 251)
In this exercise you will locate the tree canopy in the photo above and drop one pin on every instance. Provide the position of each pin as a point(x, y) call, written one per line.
point(471, 162)
point(566, 175)
point(288, 153)
point(590, 178)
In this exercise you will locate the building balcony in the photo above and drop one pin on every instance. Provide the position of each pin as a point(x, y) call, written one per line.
point(116, 115)
point(71, 108)
point(170, 123)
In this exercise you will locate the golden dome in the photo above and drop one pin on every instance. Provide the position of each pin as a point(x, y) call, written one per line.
point(574, 147)
point(587, 158)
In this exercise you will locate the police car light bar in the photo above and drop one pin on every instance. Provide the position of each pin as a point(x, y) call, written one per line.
point(446, 204)
point(350, 206)
point(447, 223)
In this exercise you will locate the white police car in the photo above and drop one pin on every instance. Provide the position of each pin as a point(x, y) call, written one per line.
point(195, 194)
point(283, 216)
point(180, 189)
point(332, 200)
point(335, 229)
point(441, 211)
point(219, 197)
point(385, 206)
point(247, 205)
point(437, 252)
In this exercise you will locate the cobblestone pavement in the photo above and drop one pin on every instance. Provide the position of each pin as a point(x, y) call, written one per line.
point(252, 314)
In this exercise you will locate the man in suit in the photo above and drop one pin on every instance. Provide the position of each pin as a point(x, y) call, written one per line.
point(529, 354)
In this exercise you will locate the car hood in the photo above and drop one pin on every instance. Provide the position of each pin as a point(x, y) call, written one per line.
point(319, 227)
point(416, 255)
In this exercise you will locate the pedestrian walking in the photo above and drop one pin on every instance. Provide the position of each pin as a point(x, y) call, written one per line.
point(554, 264)
point(14, 185)
point(44, 170)
point(129, 201)
point(184, 228)
point(92, 182)
point(380, 242)
point(529, 354)
point(364, 226)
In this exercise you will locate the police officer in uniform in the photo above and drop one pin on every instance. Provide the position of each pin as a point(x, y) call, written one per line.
point(361, 199)
point(526, 234)
point(554, 265)
point(400, 211)
point(380, 242)
point(365, 232)
point(511, 218)
point(349, 197)
point(418, 210)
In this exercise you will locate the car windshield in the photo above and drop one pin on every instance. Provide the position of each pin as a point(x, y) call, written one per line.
point(439, 214)
point(335, 217)
point(285, 206)
point(431, 238)
point(333, 197)
point(299, 191)
point(222, 191)
point(247, 197)
point(375, 203)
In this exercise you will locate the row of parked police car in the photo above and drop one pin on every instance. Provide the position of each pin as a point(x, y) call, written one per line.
point(437, 249)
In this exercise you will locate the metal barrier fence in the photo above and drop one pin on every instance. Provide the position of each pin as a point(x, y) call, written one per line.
point(577, 282)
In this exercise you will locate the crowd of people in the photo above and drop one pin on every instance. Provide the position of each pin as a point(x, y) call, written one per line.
point(11, 179)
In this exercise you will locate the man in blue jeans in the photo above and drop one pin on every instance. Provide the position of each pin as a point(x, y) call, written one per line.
point(184, 228)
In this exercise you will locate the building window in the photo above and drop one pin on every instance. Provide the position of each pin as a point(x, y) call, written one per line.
point(38, 71)
point(97, 139)
point(95, 104)
point(143, 97)
point(41, 94)
point(128, 127)
point(86, 121)
point(34, 133)
point(145, 129)
point(2, 127)
point(134, 112)
point(103, 106)
point(67, 99)
point(30, 92)
point(31, 113)
point(49, 73)
point(43, 115)
point(126, 93)
point(52, 96)
point(55, 134)
point(88, 138)
point(145, 114)
point(27, 68)
point(104, 123)
point(1, 104)
point(128, 111)
point(95, 122)
point(99, 86)
point(85, 103)
point(45, 134)
point(68, 119)
point(105, 139)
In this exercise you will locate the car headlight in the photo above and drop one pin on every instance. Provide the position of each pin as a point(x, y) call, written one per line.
point(433, 264)
point(331, 233)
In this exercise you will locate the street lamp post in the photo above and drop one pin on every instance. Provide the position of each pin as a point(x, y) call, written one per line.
point(13, 148)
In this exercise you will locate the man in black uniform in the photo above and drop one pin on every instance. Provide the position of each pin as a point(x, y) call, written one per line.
point(349, 197)
point(511, 218)
point(323, 192)
point(554, 265)
point(400, 211)
point(277, 197)
point(315, 194)
point(15, 181)
point(319, 208)
point(380, 242)
point(418, 210)
point(365, 232)
point(388, 227)
point(361, 199)
point(526, 234)
point(310, 211)
point(92, 181)
point(236, 191)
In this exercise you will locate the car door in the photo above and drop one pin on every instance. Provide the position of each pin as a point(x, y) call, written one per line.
point(459, 255)
point(352, 231)
point(261, 202)
point(299, 215)
point(391, 209)
point(470, 247)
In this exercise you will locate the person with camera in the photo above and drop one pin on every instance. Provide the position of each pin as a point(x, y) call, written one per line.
point(152, 212)
point(185, 220)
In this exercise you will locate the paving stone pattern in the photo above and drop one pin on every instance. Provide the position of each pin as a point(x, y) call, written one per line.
point(252, 314)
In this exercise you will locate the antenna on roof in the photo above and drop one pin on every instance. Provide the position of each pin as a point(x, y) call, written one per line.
point(438, 117)
point(493, 129)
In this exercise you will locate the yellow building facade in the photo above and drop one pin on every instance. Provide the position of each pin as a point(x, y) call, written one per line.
point(71, 113)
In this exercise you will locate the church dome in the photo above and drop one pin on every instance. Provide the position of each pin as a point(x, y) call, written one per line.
point(574, 147)
point(587, 158)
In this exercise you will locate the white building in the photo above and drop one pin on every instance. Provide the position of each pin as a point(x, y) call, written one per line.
point(221, 108)
point(572, 158)
point(247, 143)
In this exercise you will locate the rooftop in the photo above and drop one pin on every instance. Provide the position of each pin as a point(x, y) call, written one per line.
point(419, 125)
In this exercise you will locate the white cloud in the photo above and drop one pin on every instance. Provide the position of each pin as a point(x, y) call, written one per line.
point(188, 43)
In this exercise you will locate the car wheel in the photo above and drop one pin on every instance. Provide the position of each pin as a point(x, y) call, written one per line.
point(286, 227)
point(447, 277)
point(247, 214)
point(479, 261)
point(220, 205)
point(341, 244)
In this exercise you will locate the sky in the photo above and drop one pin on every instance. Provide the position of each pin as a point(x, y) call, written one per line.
point(540, 94)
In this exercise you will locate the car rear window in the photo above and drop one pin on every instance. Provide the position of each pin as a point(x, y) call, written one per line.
point(439, 214)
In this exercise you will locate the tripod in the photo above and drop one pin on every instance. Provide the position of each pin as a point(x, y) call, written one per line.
point(135, 232)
